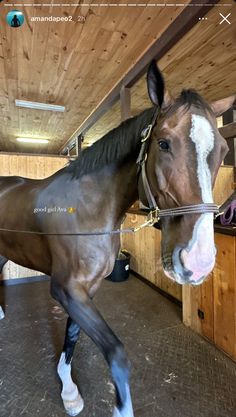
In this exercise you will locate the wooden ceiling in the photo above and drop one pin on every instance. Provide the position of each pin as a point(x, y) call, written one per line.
point(74, 64)
point(205, 59)
point(77, 64)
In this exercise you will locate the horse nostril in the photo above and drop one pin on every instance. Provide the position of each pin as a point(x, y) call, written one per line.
point(179, 267)
point(176, 254)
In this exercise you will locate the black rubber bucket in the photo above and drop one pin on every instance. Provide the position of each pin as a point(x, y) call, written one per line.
point(121, 268)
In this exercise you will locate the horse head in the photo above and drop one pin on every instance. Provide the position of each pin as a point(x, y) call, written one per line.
point(184, 156)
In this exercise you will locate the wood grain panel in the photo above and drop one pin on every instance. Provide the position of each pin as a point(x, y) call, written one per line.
point(216, 299)
point(191, 304)
point(31, 167)
point(223, 188)
point(206, 306)
point(225, 295)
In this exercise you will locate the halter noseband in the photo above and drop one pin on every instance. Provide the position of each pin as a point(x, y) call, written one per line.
point(156, 213)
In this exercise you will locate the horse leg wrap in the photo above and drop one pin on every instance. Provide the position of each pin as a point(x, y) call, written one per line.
point(72, 400)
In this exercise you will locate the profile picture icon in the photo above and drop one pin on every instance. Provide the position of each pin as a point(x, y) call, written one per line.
point(15, 18)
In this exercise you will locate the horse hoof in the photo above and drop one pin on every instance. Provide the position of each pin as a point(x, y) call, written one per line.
point(73, 408)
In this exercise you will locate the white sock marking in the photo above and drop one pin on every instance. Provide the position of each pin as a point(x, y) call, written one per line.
point(71, 397)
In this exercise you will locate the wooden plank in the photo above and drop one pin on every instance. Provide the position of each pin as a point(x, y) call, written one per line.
point(159, 267)
point(206, 306)
point(170, 287)
point(216, 299)
point(225, 295)
point(224, 184)
point(191, 305)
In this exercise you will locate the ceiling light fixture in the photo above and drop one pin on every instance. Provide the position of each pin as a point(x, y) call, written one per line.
point(39, 106)
point(32, 140)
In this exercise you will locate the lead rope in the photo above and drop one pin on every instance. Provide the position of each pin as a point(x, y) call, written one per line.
point(153, 217)
point(151, 220)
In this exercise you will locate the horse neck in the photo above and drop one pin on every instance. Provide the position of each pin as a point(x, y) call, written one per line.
point(126, 184)
point(118, 187)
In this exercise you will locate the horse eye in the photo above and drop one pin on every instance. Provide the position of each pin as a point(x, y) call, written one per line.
point(164, 145)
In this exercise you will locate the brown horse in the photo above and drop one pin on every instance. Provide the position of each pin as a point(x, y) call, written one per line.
point(183, 156)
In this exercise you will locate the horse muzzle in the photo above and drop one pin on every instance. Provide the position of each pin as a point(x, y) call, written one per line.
point(190, 267)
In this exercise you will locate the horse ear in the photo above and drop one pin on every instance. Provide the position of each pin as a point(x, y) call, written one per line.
point(156, 87)
point(168, 100)
point(220, 106)
point(155, 84)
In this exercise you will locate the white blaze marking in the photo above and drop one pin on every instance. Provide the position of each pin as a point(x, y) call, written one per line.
point(202, 135)
point(199, 256)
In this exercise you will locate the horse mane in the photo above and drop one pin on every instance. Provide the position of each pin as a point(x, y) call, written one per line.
point(115, 146)
point(120, 142)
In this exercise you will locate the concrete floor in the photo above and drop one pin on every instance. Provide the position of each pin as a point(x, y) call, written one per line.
point(175, 372)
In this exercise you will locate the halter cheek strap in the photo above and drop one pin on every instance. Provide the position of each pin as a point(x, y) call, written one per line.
point(142, 157)
point(141, 160)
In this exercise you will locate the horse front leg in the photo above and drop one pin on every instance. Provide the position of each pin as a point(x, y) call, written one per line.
point(82, 311)
point(72, 400)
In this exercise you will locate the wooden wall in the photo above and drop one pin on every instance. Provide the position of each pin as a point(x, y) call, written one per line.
point(224, 185)
point(210, 309)
point(31, 167)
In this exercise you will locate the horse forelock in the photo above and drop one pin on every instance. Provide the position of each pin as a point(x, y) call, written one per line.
point(185, 100)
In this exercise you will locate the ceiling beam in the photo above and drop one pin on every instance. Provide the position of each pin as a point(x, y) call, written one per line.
point(175, 32)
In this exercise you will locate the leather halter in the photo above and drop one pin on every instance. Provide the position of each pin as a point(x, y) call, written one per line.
point(157, 213)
